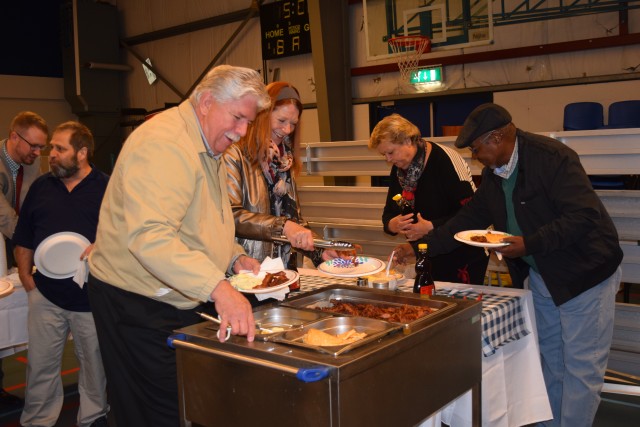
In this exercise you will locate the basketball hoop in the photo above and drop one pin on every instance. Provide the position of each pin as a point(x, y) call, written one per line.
point(408, 50)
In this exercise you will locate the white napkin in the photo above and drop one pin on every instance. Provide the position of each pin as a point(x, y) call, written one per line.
point(273, 264)
point(82, 273)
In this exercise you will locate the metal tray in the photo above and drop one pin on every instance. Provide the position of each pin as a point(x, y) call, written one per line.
point(322, 298)
point(284, 317)
point(375, 329)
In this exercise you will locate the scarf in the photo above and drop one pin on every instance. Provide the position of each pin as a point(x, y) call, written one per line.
point(275, 169)
point(408, 178)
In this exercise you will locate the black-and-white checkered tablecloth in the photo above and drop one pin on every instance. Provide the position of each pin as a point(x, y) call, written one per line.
point(502, 316)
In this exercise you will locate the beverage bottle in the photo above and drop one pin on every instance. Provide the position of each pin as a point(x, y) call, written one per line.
point(408, 209)
point(423, 284)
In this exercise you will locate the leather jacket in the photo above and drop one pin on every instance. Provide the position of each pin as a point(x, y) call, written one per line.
point(250, 202)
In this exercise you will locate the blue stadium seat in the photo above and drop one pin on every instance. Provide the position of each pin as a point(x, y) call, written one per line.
point(624, 114)
point(590, 116)
point(583, 116)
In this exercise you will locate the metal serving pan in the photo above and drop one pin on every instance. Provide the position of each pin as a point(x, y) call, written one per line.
point(320, 298)
point(285, 318)
point(375, 329)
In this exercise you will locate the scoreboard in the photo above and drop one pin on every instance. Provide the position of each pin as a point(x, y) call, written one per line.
point(285, 29)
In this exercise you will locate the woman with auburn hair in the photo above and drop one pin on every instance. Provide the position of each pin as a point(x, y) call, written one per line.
point(261, 172)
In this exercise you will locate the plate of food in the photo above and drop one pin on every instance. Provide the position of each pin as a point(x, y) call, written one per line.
point(356, 266)
point(263, 282)
point(482, 238)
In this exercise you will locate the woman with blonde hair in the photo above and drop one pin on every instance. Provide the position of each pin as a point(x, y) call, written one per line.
point(435, 182)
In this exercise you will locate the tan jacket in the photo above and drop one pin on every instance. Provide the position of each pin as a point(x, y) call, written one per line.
point(166, 228)
point(249, 197)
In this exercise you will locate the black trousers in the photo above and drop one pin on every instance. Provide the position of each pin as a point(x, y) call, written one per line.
point(140, 367)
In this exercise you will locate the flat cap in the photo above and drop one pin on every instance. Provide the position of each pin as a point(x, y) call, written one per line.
point(483, 119)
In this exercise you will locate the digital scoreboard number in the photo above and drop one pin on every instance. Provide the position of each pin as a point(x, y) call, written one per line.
point(285, 29)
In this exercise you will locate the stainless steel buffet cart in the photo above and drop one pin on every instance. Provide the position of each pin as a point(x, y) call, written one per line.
point(398, 377)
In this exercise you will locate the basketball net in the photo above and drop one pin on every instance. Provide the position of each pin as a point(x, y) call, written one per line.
point(408, 50)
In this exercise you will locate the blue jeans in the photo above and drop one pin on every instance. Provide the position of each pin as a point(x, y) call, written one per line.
point(574, 347)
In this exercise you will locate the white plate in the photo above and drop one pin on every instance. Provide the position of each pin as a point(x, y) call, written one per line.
point(291, 275)
point(368, 266)
point(5, 288)
point(58, 256)
point(465, 237)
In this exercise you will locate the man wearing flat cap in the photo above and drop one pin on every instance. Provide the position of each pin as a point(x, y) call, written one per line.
point(534, 188)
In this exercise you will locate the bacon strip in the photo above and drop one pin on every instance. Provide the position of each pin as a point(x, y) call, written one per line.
point(400, 314)
point(272, 279)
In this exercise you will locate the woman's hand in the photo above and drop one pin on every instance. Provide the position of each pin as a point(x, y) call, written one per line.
point(418, 230)
point(328, 254)
point(398, 223)
point(298, 236)
point(404, 254)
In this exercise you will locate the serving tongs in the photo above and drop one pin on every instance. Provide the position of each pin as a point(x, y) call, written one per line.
point(338, 245)
point(216, 320)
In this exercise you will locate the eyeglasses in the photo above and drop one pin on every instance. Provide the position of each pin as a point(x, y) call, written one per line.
point(33, 147)
point(474, 150)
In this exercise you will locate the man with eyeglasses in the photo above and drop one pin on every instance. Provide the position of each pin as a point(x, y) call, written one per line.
point(20, 166)
point(535, 188)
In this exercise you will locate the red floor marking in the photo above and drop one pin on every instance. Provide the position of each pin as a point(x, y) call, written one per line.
point(69, 371)
point(23, 385)
point(15, 387)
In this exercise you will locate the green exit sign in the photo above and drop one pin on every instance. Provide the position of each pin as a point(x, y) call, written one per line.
point(427, 75)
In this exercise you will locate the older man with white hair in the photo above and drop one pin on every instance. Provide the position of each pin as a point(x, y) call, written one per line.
point(166, 239)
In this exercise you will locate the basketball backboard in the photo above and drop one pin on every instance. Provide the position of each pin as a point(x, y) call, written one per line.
point(449, 23)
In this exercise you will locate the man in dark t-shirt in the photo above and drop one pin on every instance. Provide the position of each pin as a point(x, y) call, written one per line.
point(61, 210)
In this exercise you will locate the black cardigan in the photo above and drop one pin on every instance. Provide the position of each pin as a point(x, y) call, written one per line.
point(443, 188)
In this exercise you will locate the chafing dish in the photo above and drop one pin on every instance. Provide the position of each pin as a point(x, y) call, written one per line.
point(280, 319)
point(375, 329)
point(321, 298)
point(396, 379)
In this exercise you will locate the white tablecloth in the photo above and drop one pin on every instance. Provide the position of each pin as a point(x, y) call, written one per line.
point(513, 391)
point(13, 319)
